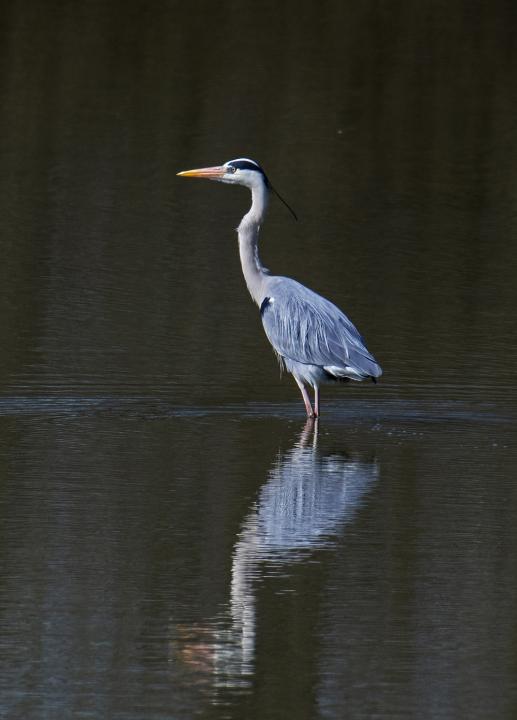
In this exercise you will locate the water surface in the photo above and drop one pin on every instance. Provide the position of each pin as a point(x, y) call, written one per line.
point(176, 540)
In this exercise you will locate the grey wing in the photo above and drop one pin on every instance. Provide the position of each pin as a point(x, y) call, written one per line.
point(305, 327)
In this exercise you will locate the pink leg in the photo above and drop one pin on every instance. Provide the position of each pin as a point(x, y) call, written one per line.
point(316, 401)
point(305, 396)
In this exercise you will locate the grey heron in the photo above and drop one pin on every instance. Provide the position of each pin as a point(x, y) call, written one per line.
point(314, 340)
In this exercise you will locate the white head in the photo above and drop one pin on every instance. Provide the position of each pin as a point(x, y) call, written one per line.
point(241, 171)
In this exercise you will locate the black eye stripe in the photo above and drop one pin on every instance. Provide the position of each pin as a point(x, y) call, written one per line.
point(246, 165)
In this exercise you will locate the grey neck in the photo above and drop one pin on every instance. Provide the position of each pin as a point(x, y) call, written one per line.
point(253, 270)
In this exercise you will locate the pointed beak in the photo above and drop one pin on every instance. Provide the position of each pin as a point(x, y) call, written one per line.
point(210, 173)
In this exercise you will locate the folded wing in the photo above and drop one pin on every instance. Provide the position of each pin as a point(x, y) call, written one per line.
point(305, 327)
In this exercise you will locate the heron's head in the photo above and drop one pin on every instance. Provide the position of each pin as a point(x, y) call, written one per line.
point(241, 171)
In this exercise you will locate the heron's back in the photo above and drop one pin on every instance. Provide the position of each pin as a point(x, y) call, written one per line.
point(308, 329)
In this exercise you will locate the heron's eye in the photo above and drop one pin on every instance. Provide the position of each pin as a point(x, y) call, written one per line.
point(232, 169)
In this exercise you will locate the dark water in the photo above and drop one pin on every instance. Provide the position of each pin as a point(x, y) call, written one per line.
point(175, 540)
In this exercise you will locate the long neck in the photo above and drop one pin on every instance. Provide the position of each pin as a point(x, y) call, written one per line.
point(248, 232)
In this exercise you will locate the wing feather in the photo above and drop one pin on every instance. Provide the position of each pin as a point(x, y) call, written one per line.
point(305, 327)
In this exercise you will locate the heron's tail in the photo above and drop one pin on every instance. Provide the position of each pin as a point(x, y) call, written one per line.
point(359, 371)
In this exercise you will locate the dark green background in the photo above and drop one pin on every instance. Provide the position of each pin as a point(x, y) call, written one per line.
point(145, 434)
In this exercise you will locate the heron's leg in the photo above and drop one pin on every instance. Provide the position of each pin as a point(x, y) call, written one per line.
point(305, 396)
point(316, 401)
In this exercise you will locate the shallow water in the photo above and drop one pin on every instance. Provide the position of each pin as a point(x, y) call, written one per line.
point(154, 567)
point(176, 540)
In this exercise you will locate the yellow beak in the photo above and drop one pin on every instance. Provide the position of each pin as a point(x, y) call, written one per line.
point(211, 173)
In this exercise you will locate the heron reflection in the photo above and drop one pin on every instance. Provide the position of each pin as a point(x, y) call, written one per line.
point(309, 497)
